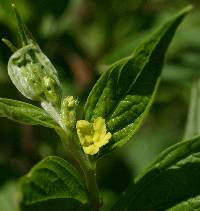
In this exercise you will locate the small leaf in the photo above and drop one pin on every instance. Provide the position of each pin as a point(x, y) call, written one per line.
point(25, 113)
point(193, 122)
point(123, 95)
point(51, 183)
point(172, 179)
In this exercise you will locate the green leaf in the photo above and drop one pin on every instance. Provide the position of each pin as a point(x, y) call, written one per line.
point(25, 113)
point(124, 94)
point(189, 205)
point(53, 183)
point(173, 178)
point(193, 122)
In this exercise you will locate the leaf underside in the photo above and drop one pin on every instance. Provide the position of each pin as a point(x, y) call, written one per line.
point(53, 183)
point(171, 181)
point(123, 94)
point(25, 113)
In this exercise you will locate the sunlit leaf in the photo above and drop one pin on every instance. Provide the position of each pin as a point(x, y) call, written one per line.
point(25, 113)
point(124, 94)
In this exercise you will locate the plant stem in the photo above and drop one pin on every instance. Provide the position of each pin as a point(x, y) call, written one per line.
point(73, 148)
point(92, 186)
point(87, 167)
point(89, 170)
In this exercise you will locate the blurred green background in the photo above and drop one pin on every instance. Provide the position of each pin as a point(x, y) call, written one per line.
point(82, 37)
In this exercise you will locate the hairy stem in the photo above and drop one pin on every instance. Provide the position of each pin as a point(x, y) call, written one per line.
point(74, 150)
point(92, 186)
point(87, 167)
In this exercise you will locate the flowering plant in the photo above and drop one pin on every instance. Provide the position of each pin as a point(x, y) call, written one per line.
point(115, 109)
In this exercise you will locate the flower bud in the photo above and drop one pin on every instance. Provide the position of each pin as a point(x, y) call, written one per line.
point(34, 75)
point(68, 112)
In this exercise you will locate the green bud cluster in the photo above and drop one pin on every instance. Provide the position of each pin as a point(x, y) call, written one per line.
point(68, 112)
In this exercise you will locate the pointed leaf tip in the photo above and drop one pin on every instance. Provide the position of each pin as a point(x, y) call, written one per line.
point(10, 45)
point(21, 30)
point(125, 92)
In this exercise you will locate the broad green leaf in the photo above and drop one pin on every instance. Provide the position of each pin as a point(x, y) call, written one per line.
point(53, 183)
point(189, 205)
point(25, 113)
point(172, 179)
point(123, 94)
point(193, 122)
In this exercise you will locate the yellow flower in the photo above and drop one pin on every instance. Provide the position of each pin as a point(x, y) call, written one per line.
point(92, 136)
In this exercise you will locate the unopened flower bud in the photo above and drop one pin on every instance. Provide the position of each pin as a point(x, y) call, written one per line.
point(68, 112)
point(34, 75)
